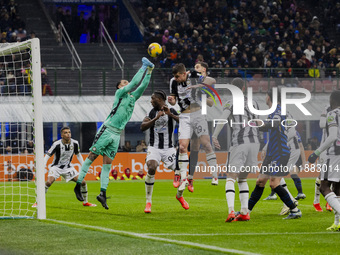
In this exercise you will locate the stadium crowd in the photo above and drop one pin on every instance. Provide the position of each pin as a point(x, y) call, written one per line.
point(273, 35)
point(13, 28)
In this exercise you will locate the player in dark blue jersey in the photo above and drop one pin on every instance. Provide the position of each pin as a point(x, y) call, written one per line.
point(274, 166)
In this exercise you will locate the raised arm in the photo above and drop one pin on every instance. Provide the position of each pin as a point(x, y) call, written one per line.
point(133, 83)
point(141, 88)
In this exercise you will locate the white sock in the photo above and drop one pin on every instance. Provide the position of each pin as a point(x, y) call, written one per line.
point(333, 202)
point(84, 193)
point(317, 191)
point(336, 215)
point(183, 162)
point(190, 177)
point(230, 193)
point(183, 174)
point(212, 162)
point(149, 181)
point(244, 195)
point(283, 184)
point(46, 189)
point(176, 172)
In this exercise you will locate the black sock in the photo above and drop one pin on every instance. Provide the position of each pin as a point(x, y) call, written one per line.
point(103, 193)
point(283, 194)
point(193, 162)
point(297, 182)
point(255, 197)
point(272, 193)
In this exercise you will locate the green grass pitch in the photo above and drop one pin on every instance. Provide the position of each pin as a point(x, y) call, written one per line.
point(169, 229)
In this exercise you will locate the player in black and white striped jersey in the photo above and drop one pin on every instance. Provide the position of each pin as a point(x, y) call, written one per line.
point(63, 151)
point(244, 148)
point(160, 121)
point(330, 172)
point(192, 122)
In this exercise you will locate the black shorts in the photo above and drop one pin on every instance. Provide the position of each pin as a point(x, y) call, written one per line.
point(275, 166)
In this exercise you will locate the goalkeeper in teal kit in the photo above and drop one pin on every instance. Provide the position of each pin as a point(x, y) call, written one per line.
point(107, 138)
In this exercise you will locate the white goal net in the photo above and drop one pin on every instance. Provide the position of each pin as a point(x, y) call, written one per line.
point(21, 136)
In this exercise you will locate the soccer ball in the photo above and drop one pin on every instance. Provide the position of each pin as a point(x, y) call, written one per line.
point(154, 50)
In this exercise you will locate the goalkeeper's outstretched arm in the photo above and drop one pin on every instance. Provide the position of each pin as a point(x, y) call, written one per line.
point(132, 84)
point(141, 88)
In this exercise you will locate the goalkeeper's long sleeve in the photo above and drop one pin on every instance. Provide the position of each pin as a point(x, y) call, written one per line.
point(140, 90)
point(133, 83)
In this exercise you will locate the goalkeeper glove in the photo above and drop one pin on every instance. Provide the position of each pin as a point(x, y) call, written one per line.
point(313, 157)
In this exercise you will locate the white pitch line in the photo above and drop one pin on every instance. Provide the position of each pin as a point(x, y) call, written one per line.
point(240, 234)
point(147, 236)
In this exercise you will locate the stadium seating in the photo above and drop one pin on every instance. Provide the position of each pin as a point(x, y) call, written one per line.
point(307, 85)
point(254, 85)
point(318, 86)
point(329, 86)
point(264, 85)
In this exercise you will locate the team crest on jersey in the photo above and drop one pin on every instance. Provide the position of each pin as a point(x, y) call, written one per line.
point(330, 119)
point(71, 147)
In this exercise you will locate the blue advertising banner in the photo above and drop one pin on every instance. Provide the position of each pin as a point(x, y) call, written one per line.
point(80, 1)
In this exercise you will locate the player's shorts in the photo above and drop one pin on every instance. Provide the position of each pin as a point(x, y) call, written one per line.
point(276, 167)
point(167, 156)
point(106, 142)
point(294, 157)
point(330, 169)
point(67, 173)
point(243, 158)
point(190, 123)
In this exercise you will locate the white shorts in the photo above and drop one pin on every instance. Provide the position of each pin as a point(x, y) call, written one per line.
point(67, 173)
point(293, 158)
point(167, 156)
point(192, 122)
point(330, 168)
point(243, 158)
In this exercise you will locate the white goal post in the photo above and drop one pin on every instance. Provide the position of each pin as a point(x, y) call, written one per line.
point(20, 83)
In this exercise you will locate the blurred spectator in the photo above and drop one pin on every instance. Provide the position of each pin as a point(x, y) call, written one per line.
point(12, 9)
point(322, 69)
point(67, 21)
point(141, 147)
point(8, 150)
point(309, 52)
point(127, 176)
point(314, 72)
point(10, 170)
point(79, 27)
point(165, 37)
point(140, 175)
point(114, 174)
point(93, 26)
point(127, 146)
point(30, 147)
point(45, 83)
point(314, 142)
